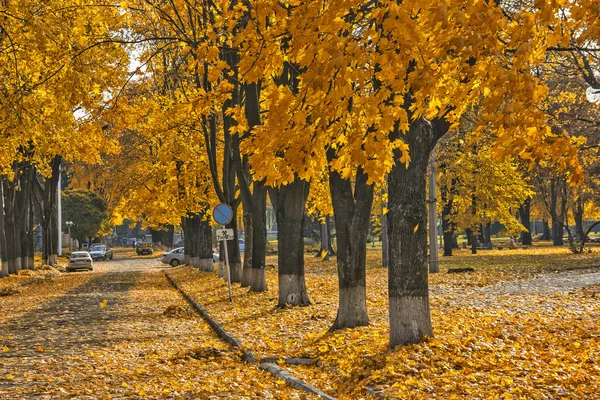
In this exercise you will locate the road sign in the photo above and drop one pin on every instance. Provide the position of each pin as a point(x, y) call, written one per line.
point(224, 234)
point(223, 214)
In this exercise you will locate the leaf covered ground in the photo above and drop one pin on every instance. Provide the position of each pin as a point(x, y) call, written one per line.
point(121, 331)
point(491, 341)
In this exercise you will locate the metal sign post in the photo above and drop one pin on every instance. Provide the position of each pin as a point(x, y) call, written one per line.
point(223, 214)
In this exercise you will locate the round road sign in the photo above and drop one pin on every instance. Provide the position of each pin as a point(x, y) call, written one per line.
point(223, 214)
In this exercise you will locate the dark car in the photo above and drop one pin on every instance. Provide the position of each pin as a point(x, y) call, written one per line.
point(144, 250)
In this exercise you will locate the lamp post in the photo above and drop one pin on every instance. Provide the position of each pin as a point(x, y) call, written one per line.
point(69, 224)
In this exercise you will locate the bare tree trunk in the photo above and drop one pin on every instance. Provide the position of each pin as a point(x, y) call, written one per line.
point(351, 213)
point(258, 280)
point(557, 233)
point(525, 215)
point(546, 234)
point(578, 216)
point(385, 242)
point(3, 243)
point(247, 272)
point(289, 204)
point(447, 226)
point(408, 285)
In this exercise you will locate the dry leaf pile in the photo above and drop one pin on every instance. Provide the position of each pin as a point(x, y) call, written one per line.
point(508, 330)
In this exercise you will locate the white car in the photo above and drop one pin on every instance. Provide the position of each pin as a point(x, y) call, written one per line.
point(80, 260)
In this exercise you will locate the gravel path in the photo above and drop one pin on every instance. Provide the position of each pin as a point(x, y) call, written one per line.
point(550, 283)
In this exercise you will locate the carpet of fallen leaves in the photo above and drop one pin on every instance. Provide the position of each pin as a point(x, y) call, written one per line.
point(121, 331)
point(490, 342)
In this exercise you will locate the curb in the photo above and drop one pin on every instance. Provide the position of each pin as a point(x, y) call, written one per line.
point(248, 356)
point(221, 333)
point(285, 375)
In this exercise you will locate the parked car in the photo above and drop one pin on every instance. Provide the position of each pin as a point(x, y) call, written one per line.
point(174, 257)
point(101, 251)
point(144, 249)
point(80, 260)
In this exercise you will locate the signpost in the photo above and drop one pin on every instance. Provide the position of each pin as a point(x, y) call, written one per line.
point(223, 214)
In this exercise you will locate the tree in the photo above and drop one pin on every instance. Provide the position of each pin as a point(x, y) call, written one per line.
point(87, 211)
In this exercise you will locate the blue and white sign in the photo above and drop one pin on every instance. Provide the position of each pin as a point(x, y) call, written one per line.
point(223, 214)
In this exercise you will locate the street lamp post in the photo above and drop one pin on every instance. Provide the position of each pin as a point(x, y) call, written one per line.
point(69, 224)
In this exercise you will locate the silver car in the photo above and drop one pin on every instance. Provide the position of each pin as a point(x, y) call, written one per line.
point(176, 257)
point(80, 260)
point(101, 251)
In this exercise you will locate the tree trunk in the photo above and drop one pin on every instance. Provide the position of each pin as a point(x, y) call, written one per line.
point(525, 215)
point(487, 235)
point(258, 280)
point(351, 214)
point(3, 249)
point(289, 204)
point(546, 234)
point(49, 217)
point(169, 236)
point(324, 251)
point(447, 226)
point(233, 249)
point(469, 234)
point(10, 227)
point(186, 240)
point(203, 245)
point(557, 239)
point(578, 216)
point(247, 271)
point(408, 285)
point(385, 242)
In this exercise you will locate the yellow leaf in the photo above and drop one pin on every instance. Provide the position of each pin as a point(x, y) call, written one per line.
point(416, 227)
point(103, 303)
point(125, 385)
point(385, 210)
point(280, 382)
point(10, 377)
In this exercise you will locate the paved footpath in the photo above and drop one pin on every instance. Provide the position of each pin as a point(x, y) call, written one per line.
point(110, 338)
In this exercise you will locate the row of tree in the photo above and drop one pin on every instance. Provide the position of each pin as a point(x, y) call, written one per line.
point(318, 105)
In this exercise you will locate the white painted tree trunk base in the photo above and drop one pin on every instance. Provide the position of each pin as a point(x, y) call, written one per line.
point(410, 320)
point(236, 272)
point(352, 309)
point(292, 291)
point(258, 280)
point(206, 264)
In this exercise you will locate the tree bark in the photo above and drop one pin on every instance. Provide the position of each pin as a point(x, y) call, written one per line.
point(10, 231)
point(546, 234)
point(289, 204)
point(258, 279)
point(578, 216)
point(351, 214)
point(49, 230)
point(557, 239)
point(3, 250)
point(408, 285)
point(447, 226)
point(247, 271)
point(525, 215)
point(385, 242)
